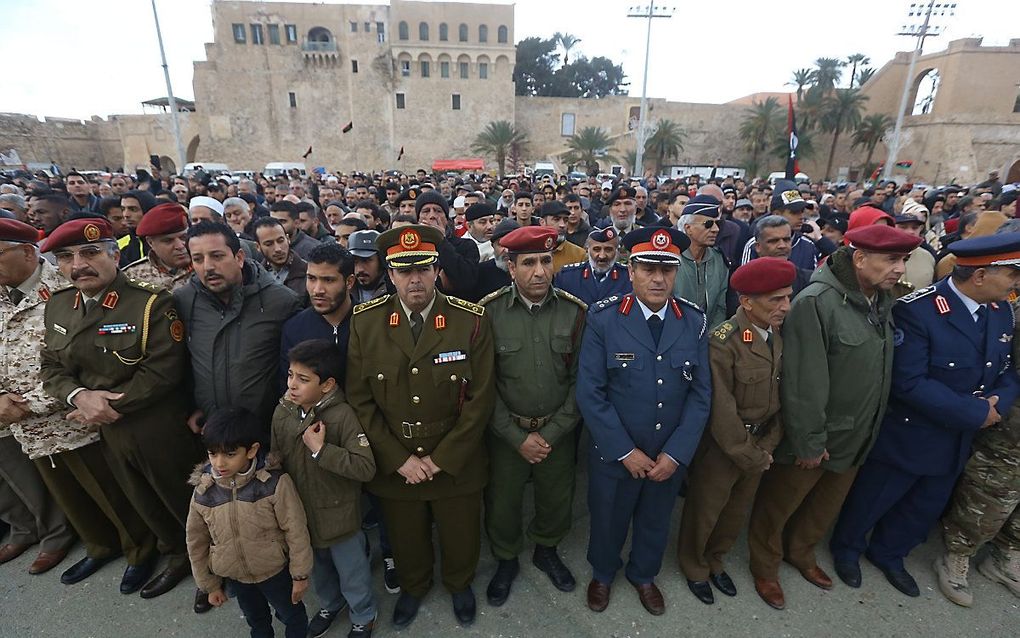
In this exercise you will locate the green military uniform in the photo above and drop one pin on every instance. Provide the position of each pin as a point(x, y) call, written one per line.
point(536, 370)
point(744, 428)
point(427, 396)
point(130, 340)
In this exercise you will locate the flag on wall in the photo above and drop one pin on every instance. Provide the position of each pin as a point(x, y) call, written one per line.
point(350, 125)
point(400, 155)
point(792, 167)
point(307, 153)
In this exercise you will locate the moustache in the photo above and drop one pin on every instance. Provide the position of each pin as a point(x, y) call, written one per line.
point(83, 272)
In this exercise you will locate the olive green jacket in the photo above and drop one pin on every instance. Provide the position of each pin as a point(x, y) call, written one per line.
point(536, 362)
point(837, 368)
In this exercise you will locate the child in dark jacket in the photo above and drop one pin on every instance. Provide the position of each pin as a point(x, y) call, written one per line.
point(325, 450)
point(246, 528)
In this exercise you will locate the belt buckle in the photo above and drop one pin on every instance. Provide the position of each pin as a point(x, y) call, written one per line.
point(534, 422)
point(405, 429)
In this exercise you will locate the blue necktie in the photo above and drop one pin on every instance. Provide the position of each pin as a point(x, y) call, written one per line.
point(655, 325)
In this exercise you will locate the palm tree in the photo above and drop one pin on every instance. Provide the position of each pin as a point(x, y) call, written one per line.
point(870, 132)
point(496, 140)
point(809, 112)
point(667, 141)
point(802, 78)
point(828, 72)
point(780, 146)
point(842, 112)
point(864, 75)
point(630, 161)
point(566, 42)
point(588, 146)
point(760, 126)
point(853, 60)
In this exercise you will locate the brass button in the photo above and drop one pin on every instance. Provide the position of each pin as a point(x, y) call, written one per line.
point(415, 400)
point(658, 358)
point(988, 365)
point(380, 376)
point(623, 365)
point(414, 370)
point(658, 426)
point(660, 405)
point(417, 422)
point(952, 365)
point(453, 377)
point(420, 450)
point(659, 381)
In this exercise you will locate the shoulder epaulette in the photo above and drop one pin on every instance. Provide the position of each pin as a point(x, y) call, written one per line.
point(493, 295)
point(723, 331)
point(917, 294)
point(567, 295)
point(473, 308)
point(361, 307)
point(143, 260)
point(608, 302)
point(576, 264)
point(63, 290)
point(691, 304)
point(694, 306)
point(144, 285)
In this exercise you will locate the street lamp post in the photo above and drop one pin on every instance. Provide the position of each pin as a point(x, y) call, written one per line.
point(172, 103)
point(647, 12)
point(922, 31)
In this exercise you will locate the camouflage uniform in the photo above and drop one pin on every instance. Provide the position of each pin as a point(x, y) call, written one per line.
point(148, 269)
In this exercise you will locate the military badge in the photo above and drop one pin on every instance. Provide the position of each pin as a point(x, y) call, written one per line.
point(110, 300)
point(661, 240)
point(548, 243)
point(177, 330)
point(1005, 338)
point(362, 440)
point(440, 322)
point(409, 240)
point(91, 232)
point(942, 305)
point(897, 337)
point(44, 293)
point(59, 328)
point(747, 336)
point(394, 319)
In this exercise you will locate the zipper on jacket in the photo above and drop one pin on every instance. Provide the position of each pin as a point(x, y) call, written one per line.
point(236, 529)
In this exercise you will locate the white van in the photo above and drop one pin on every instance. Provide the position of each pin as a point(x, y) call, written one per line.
point(800, 178)
point(276, 169)
point(211, 168)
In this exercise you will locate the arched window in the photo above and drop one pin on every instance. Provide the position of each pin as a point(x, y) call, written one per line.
point(462, 33)
point(319, 34)
point(483, 33)
point(444, 32)
point(402, 30)
point(501, 34)
point(423, 31)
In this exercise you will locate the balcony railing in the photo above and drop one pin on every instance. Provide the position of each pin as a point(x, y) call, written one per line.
point(319, 47)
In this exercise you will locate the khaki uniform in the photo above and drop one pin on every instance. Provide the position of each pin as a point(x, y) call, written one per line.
point(148, 269)
point(131, 341)
point(567, 253)
point(434, 397)
point(536, 373)
point(65, 453)
point(743, 429)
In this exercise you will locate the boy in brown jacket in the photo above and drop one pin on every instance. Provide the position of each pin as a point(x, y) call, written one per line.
point(325, 450)
point(246, 528)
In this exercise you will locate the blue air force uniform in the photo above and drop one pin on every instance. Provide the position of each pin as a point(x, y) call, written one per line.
point(640, 392)
point(583, 282)
point(950, 351)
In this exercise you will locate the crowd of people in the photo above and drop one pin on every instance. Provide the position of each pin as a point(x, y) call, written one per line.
point(235, 379)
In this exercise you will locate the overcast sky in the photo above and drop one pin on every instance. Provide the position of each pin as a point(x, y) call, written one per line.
point(78, 58)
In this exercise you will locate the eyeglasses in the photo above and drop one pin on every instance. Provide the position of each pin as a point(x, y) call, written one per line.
point(88, 253)
point(708, 224)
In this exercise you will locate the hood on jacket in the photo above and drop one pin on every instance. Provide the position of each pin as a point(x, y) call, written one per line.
point(202, 476)
point(838, 273)
point(336, 396)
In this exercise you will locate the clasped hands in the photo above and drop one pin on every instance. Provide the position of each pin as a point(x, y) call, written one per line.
point(641, 466)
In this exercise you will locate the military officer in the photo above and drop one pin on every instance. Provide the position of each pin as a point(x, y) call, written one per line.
point(537, 333)
point(25, 505)
point(420, 378)
point(644, 390)
point(837, 369)
point(952, 376)
point(600, 276)
point(745, 353)
point(114, 352)
point(167, 263)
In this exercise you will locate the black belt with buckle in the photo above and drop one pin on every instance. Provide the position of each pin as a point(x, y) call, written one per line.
point(530, 423)
point(755, 429)
point(419, 430)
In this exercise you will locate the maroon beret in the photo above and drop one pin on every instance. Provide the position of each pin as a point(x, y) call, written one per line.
point(530, 239)
point(84, 230)
point(162, 220)
point(20, 232)
point(763, 275)
point(879, 238)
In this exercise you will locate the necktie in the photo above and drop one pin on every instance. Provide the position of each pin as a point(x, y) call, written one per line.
point(89, 305)
point(982, 321)
point(655, 325)
point(416, 324)
point(16, 296)
point(768, 340)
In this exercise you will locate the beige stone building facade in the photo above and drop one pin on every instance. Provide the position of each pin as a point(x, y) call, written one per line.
point(426, 77)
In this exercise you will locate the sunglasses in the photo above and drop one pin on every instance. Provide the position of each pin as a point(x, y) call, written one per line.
point(708, 224)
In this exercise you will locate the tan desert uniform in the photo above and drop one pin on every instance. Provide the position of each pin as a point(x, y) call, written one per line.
point(66, 453)
point(744, 427)
point(148, 269)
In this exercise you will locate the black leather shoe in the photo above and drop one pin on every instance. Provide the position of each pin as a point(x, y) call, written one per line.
point(499, 587)
point(136, 575)
point(723, 583)
point(702, 591)
point(166, 580)
point(849, 572)
point(547, 560)
point(405, 610)
point(464, 607)
point(83, 569)
point(201, 602)
point(903, 581)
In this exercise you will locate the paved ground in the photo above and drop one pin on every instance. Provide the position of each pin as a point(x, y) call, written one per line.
point(39, 606)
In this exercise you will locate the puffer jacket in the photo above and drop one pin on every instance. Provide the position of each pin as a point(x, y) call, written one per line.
point(235, 347)
point(330, 484)
point(247, 527)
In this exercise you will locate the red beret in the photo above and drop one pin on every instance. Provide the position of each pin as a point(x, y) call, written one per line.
point(20, 232)
point(83, 230)
point(530, 239)
point(951, 225)
point(763, 275)
point(162, 220)
point(879, 238)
